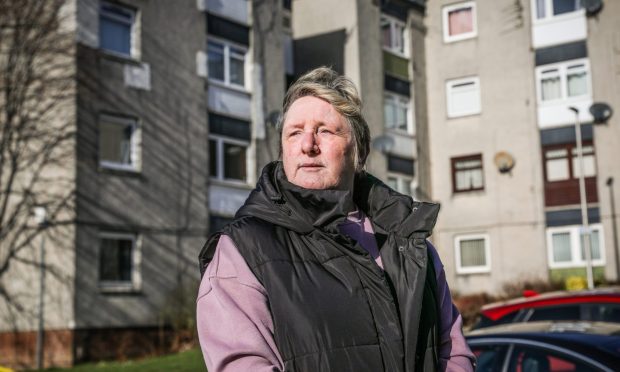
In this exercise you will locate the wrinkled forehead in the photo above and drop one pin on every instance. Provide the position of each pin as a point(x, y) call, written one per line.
point(312, 111)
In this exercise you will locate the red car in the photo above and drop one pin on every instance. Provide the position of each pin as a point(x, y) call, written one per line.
point(590, 305)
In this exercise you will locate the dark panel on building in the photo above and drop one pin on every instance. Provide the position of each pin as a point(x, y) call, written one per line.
point(557, 136)
point(228, 30)
point(217, 222)
point(567, 192)
point(320, 50)
point(397, 9)
point(400, 165)
point(571, 217)
point(559, 53)
point(397, 85)
point(230, 127)
point(286, 4)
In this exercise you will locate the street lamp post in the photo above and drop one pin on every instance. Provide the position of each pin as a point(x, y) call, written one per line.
point(585, 229)
point(41, 219)
point(610, 184)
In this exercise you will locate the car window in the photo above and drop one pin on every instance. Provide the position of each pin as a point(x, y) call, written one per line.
point(569, 312)
point(605, 312)
point(531, 359)
point(488, 357)
point(485, 321)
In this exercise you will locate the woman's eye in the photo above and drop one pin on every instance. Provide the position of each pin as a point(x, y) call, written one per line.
point(325, 131)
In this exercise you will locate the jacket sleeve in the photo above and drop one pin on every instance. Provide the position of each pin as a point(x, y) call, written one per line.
point(454, 354)
point(235, 327)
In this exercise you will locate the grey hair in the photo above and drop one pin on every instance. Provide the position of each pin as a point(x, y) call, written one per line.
point(340, 92)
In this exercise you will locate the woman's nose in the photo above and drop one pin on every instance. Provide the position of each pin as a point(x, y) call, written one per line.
point(309, 144)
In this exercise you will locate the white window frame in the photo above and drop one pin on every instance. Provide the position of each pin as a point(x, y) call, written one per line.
point(562, 71)
point(401, 102)
point(549, 17)
point(447, 38)
point(134, 51)
point(135, 284)
point(227, 45)
point(450, 84)
point(487, 251)
point(394, 22)
point(402, 179)
point(135, 140)
point(220, 141)
point(575, 246)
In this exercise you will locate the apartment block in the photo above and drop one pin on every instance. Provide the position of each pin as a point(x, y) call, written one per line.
point(505, 81)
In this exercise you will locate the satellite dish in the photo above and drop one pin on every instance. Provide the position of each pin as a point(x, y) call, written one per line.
point(592, 6)
point(383, 144)
point(504, 162)
point(601, 112)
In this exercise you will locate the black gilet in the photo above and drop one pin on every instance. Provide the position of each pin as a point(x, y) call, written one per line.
point(333, 308)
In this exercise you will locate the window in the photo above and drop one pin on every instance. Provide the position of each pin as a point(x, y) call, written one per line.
point(463, 97)
point(566, 312)
point(472, 254)
point(562, 162)
point(553, 8)
point(397, 113)
point(116, 29)
point(467, 173)
point(119, 261)
point(562, 170)
point(563, 81)
point(459, 21)
point(566, 246)
point(401, 183)
point(531, 358)
point(226, 63)
point(393, 35)
point(227, 159)
point(489, 358)
point(118, 143)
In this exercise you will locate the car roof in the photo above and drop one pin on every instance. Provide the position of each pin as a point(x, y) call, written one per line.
point(551, 327)
point(497, 310)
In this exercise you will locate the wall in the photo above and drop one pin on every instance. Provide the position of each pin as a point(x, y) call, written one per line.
point(510, 208)
point(604, 53)
point(165, 202)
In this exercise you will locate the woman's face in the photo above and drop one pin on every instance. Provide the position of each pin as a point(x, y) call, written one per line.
point(317, 146)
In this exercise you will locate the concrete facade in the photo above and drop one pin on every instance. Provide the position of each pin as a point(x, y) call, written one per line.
point(512, 212)
point(160, 203)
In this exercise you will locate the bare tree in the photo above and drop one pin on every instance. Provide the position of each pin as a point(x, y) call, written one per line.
point(37, 140)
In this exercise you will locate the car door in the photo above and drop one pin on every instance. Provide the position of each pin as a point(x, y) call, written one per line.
point(536, 358)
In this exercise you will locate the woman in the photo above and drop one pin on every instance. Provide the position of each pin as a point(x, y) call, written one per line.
point(325, 268)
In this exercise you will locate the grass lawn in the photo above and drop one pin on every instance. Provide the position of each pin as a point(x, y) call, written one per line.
point(183, 362)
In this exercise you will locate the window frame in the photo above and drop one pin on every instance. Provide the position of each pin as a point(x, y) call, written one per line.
point(549, 16)
point(454, 160)
point(571, 158)
point(402, 179)
point(450, 85)
point(220, 141)
point(113, 286)
point(575, 246)
point(393, 22)
point(133, 29)
point(487, 253)
point(135, 153)
point(446, 10)
point(227, 45)
point(562, 70)
point(400, 101)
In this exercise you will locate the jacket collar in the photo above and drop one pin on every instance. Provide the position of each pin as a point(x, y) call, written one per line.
point(303, 210)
